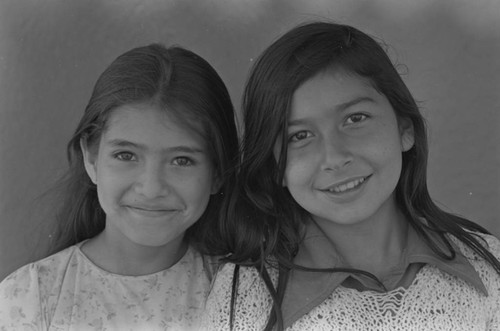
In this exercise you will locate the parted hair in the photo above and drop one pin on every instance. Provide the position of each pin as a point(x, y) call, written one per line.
point(175, 80)
point(263, 219)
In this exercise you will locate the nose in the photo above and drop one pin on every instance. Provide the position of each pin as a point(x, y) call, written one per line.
point(335, 154)
point(152, 181)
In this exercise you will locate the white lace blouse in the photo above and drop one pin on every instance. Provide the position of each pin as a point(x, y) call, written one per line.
point(435, 300)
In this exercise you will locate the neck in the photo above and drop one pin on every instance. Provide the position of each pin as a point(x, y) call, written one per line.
point(373, 245)
point(127, 258)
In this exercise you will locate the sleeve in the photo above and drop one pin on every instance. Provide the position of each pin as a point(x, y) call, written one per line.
point(494, 285)
point(20, 307)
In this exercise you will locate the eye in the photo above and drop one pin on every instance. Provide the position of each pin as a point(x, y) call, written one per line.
point(301, 135)
point(125, 156)
point(356, 118)
point(182, 161)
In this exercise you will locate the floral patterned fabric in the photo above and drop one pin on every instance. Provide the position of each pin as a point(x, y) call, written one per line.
point(66, 291)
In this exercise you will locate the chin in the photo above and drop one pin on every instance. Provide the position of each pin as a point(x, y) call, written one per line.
point(152, 241)
point(343, 220)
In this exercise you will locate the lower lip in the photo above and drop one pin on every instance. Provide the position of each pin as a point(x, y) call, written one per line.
point(349, 193)
point(151, 213)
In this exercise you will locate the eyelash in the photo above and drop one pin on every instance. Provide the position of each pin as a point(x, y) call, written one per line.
point(188, 160)
point(350, 117)
point(293, 137)
point(119, 156)
point(349, 121)
point(131, 157)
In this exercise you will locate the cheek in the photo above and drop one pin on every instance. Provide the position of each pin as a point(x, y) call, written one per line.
point(385, 145)
point(196, 188)
point(203, 186)
point(299, 170)
point(385, 157)
point(107, 197)
point(196, 196)
point(113, 184)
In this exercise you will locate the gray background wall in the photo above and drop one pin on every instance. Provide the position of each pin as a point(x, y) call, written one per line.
point(51, 53)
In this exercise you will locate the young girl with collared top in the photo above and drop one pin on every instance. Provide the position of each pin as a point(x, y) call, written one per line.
point(150, 163)
point(331, 226)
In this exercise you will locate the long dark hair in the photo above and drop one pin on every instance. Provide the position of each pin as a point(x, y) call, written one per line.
point(264, 220)
point(171, 78)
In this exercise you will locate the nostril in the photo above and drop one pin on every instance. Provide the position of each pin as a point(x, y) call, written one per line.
point(151, 186)
point(336, 161)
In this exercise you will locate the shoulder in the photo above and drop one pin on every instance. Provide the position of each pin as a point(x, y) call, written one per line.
point(252, 299)
point(489, 242)
point(197, 264)
point(493, 244)
point(23, 292)
point(489, 276)
point(40, 271)
point(248, 278)
point(211, 265)
point(52, 269)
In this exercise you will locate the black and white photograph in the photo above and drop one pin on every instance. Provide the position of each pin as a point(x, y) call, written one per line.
point(250, 165)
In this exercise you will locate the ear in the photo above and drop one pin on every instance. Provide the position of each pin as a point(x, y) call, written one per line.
point(216, 184)
point(407, 133)
point(89, 161)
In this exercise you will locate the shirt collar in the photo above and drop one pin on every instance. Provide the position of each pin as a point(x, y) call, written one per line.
point(418, 251)
point(307, 289)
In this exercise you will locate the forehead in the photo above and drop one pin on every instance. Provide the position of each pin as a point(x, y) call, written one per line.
point(330, 88)
point(148, 124)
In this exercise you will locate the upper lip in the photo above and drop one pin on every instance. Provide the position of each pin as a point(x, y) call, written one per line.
point(343, 182)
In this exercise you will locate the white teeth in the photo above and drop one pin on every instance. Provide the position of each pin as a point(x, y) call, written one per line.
point(347, 186)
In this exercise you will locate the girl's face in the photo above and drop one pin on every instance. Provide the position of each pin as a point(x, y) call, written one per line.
point(154, 177)
point(344, 150)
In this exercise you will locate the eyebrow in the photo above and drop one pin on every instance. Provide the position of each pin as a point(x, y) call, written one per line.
point(130, 144)
point(339, 108)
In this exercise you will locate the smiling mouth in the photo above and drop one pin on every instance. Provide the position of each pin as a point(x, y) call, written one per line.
point(144, 210)
point(347, 186)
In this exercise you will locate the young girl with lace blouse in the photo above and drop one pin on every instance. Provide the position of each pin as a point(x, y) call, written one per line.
point(331, 226)
point(149, 163)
